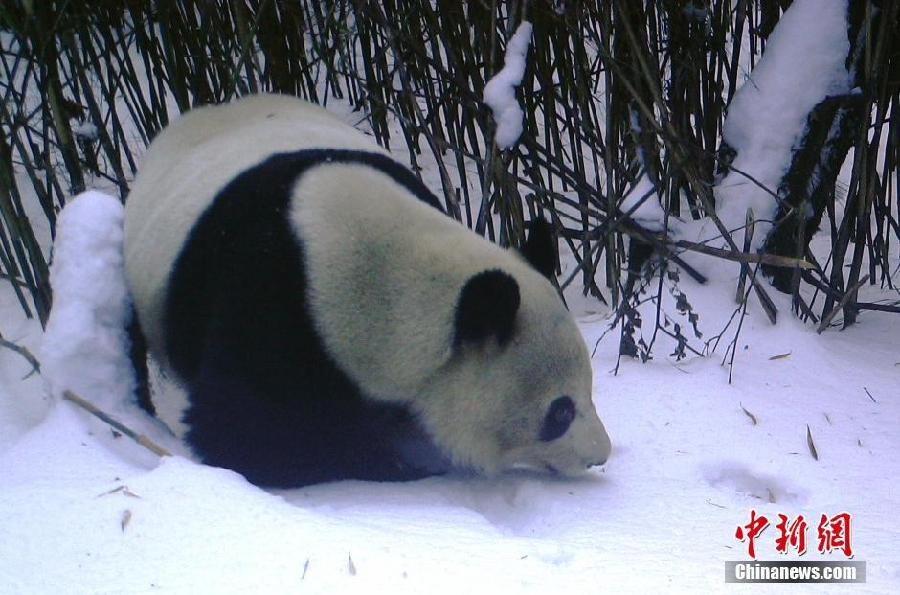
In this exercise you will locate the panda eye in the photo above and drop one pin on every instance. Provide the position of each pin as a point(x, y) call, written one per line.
point(559, 417)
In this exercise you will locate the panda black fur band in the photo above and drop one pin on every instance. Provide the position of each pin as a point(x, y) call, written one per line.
point(328, 321)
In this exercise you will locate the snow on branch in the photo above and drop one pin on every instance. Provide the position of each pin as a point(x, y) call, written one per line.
point(500, 93)
point(641, 203)
point(803, 64)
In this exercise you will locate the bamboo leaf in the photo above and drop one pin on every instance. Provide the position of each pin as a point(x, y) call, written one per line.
point(811, 444)
point(750, 415)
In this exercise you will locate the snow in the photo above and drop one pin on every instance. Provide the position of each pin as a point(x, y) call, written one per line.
point(500, 92)
point(83, 511)
point(642, 203)
point(86, 130)
point(85, 347)
point(802, 64)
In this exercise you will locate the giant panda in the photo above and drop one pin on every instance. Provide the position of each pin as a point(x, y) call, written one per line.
point(328, 321)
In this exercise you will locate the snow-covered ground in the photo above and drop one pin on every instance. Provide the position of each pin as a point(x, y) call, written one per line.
point(83, 511)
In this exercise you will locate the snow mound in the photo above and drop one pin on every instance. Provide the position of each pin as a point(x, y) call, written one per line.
point(85, 347)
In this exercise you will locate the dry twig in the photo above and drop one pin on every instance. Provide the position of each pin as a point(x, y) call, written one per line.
point(96, 412)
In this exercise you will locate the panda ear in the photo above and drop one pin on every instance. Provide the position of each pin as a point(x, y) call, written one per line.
point(540, 248)
point(487, 308)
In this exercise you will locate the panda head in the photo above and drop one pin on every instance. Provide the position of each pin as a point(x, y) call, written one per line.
point(516, 391)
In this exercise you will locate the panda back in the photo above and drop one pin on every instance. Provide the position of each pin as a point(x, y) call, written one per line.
point(190, 163)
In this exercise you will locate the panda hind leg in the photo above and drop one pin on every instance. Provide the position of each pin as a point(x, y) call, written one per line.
point(275, 433)
point(228, 428)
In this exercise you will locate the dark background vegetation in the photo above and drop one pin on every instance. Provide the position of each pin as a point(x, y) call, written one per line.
point(612, 91)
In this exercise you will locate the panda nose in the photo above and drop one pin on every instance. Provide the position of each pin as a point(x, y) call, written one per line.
point(601, 454)
point(596, 463)
point(601, 446)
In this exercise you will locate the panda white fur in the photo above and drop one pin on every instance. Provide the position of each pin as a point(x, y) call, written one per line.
point(329, 321)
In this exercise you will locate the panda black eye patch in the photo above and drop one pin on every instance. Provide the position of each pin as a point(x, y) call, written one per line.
point(559, 417)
